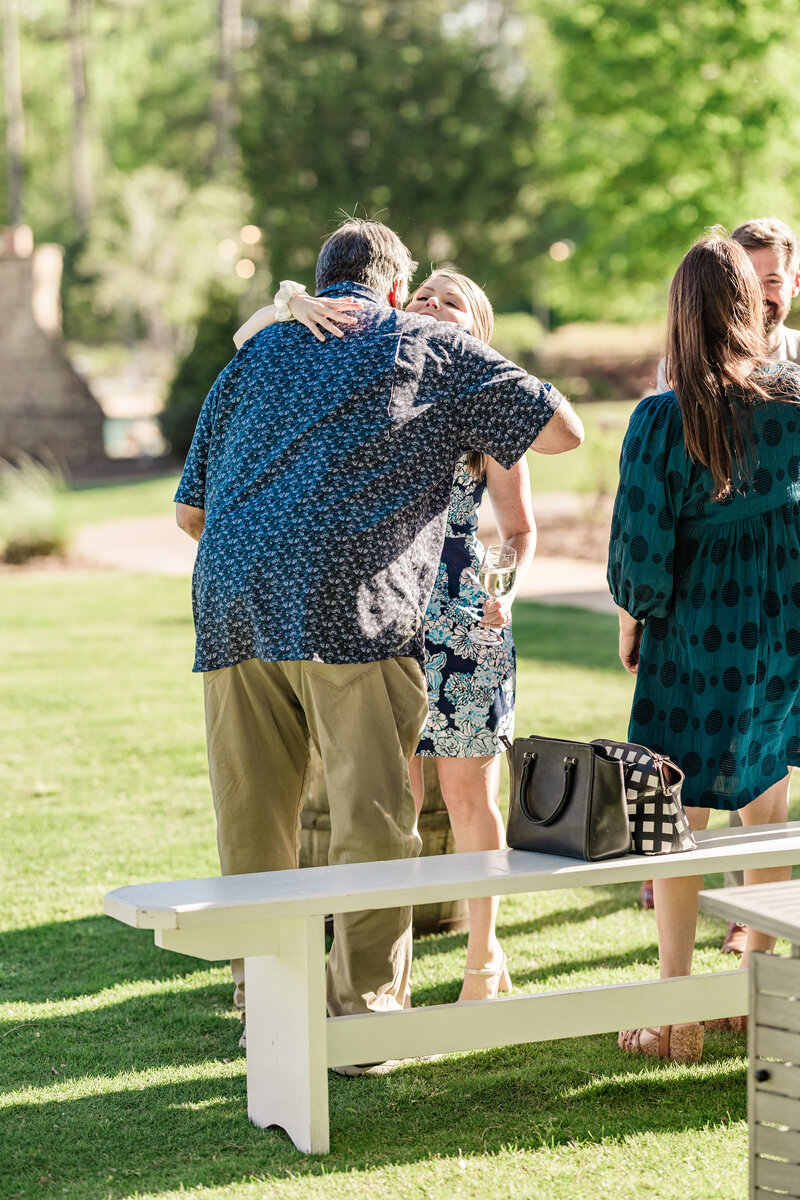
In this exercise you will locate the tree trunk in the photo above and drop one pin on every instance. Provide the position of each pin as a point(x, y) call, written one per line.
point(15, 121)
point(224, 109)
point(81, 150)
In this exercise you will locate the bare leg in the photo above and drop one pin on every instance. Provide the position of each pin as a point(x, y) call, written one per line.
point(676, 912)
point(470, 787)
point(676, 918)
point(769, 808)
point(676, 899)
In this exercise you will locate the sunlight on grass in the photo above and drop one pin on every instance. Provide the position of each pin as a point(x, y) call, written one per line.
point(119, 1070)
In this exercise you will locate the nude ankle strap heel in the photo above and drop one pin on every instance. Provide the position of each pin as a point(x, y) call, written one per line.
point(491, 972)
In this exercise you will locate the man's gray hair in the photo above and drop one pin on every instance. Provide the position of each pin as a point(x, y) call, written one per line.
point(367, 252)
point(771, 233)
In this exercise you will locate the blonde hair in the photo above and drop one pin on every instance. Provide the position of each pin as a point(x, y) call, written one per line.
point(481, 326)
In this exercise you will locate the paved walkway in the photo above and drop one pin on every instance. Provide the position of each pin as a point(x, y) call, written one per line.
point(155, 545)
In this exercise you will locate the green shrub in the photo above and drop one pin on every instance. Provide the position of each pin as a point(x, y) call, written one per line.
point(213, 348)
point(33, 520)
point(517, 336)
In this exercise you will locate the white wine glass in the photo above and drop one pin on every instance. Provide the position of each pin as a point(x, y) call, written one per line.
point(497, 575)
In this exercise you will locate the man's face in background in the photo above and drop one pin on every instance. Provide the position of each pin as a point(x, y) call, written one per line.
point(779, 283)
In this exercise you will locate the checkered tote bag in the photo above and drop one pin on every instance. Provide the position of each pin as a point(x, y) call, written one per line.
point(653, 794)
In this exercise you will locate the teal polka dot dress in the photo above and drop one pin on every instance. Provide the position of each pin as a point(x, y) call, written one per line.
point(718, 587)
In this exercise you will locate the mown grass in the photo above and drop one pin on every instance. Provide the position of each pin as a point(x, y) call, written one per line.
point(118, 1063)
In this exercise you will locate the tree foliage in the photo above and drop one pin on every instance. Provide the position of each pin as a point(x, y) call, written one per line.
point(669, 118)
point(483, 132)
point(213, 348)
point(405, 110)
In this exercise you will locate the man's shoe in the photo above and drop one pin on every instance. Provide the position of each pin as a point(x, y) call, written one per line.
point(380, 1068)
point(646, 894)
point(383, 1068)
point(735, 939)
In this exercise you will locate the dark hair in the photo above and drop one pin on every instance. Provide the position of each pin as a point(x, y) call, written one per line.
point(771, 233)
point(715, 340)
point(367, 252)
point(481, 326)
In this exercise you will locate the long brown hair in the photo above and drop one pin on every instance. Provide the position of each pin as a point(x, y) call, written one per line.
point(481, 326)
point(715, 341)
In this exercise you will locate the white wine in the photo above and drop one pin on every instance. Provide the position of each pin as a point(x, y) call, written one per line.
point(497, 581)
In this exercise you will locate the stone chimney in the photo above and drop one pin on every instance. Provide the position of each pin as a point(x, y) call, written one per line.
point(46, 409)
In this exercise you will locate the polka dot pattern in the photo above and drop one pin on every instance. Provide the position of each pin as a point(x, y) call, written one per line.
point(718, 587)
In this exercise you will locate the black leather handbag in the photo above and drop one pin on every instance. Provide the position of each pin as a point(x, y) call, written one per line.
point(566, 798)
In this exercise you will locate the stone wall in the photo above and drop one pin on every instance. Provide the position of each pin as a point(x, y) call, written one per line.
point(45, 407)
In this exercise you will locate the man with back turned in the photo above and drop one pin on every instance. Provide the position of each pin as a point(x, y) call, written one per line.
point(317, 484)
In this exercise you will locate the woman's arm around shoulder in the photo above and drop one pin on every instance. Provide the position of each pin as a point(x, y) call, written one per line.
point(315, 312)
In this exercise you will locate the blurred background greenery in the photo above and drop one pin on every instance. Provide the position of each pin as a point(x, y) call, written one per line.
point(190, 154)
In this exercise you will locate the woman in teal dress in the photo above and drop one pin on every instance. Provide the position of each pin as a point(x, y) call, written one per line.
point(704, 564)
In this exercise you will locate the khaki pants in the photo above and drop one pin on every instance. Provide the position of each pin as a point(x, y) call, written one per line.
point(365, 720)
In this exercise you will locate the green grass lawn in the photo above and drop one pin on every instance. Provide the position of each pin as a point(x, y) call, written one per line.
point(119, 1070)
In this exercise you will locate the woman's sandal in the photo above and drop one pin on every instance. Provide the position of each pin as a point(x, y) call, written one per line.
point(500, 973)
point(680, 1044)
point(727, 1024)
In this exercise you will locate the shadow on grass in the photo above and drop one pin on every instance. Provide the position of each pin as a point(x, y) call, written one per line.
point(163, 1136)
point(167, 1093)
point(65, 959)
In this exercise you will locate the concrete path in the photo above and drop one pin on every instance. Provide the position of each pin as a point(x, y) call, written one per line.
point(155, 545)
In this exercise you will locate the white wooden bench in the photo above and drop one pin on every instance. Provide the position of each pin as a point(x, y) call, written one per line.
point(275, 921)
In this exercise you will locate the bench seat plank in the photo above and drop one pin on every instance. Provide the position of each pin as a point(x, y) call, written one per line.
point(316, 891)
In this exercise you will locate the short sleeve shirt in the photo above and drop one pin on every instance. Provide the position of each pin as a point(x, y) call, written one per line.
point(325, 468)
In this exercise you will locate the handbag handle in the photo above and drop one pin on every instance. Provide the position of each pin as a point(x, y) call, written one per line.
point(527, 771)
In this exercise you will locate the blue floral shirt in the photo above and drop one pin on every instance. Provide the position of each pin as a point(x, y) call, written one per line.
point(325, 469)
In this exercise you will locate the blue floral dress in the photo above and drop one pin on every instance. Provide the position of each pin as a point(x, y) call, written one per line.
point(470, 686)
point(717, 585)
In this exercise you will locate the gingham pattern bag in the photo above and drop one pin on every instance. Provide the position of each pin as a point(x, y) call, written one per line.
point(653, 794)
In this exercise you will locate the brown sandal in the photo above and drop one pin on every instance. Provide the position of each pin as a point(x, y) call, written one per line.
point(727, 1024)
point(677, 1043)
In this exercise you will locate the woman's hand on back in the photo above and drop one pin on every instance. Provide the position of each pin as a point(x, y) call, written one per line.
point(324, 312)
point(315, 312)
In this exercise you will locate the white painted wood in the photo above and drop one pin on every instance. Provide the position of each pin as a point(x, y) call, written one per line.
point(445, 1028)
point(779, 975)
point(778, 1143)
point(216, 942)
point(785, 1176)
point(287, 1079)
point(350, 887)
point(773, 908)
point(783, 1080)
point(769, 1109)
point(290, 1041)
point(777, 1012)
point(776, 1043)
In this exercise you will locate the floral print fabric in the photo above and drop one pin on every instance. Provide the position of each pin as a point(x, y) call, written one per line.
point(470, 686)
point(718, 587)
point(325, 469)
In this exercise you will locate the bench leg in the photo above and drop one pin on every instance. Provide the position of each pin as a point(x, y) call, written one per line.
point(287, 1053)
